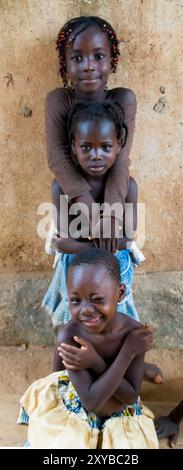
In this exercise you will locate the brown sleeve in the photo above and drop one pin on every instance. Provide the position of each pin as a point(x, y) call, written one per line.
point(57, 107)
point(117, 182)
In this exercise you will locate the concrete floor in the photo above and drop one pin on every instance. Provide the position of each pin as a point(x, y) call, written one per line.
point(20, 366)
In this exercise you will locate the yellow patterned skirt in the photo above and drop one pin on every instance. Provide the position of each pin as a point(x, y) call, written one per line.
point(57, 420)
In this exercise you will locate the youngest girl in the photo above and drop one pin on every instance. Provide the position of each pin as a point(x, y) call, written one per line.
point(95, 403)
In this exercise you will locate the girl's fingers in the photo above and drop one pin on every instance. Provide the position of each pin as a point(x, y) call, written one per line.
point(70, 356)
point(113, 246)
point(96, 242)
point(173, 439)
point(68, 366)
point(69, 361)
point(81, 341)
point(69, 348)
point(159, 430)
point(116, 244)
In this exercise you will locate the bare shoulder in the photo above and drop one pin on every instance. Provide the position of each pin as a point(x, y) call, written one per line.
point(132, 195)
point(124, 96)
point(127, 323)
point(67, 333)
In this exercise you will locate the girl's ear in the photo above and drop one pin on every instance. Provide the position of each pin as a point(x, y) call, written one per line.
point(73, 147)
point(119, 146)
point(73, 152)
point(122, 289)
point(124, 136)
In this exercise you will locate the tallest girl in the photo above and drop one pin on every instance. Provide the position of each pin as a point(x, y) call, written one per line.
point(88, 53)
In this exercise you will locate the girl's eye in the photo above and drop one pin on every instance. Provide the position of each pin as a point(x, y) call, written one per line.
point(77, 58)
point(74, 301)
point(85, 147)
point(107, 147)
point(98, 299)
point(99, 56)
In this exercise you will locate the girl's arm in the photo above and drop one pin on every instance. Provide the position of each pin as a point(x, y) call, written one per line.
point(130, 386)
point(130, 215)
point(78, 359)
point(128, 228)
point(168, 426)
point(57, 106)
point(118, 179)
point(86, 357)
point(95, 393)
point(65, 245)
point(69, 245)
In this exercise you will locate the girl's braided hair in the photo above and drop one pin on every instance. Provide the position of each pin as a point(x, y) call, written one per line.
point(76, 26)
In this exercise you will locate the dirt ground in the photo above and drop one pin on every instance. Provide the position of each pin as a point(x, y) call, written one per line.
point(21, 365)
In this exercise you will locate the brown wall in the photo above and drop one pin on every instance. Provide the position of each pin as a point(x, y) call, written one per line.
point(151, 33)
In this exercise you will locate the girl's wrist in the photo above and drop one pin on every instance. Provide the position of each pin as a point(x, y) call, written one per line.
point(99, 364)
point(127, 349)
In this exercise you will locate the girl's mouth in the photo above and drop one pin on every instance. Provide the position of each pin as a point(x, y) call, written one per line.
point(91, 321)
point(89, 81)
point(96, 169)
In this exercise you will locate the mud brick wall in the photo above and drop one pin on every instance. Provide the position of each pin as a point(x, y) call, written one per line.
point(151, 38)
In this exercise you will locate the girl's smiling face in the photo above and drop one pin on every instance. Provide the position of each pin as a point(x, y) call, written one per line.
point(96, 146)
point(93, 295)
point(88, 61)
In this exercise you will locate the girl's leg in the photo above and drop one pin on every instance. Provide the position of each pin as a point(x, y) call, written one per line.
point(57, 361)
point(152, 373)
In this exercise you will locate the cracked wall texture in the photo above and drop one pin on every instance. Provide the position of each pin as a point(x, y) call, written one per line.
point(151, 36)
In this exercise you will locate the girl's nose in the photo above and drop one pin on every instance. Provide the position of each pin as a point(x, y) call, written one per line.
point(96, 156)
point(88, 64)
point(86, 309)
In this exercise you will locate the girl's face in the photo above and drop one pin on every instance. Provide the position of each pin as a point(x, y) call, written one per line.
point(96, 146)
point(93, 295)
point(88, 61)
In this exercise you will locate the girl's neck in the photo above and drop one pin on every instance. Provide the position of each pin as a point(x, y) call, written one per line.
point(95, 96)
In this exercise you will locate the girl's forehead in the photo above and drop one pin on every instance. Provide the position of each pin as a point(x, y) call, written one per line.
point(92, 35)
point(101, 128)
point(90, 276)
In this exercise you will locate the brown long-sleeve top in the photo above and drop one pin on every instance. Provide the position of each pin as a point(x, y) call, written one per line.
point(72, 182)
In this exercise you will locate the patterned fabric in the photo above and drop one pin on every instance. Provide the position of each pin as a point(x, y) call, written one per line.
point(23, 417)
point(73, 403)
point(52, 425)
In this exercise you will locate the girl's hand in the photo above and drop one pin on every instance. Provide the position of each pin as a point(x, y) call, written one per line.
point(105, 233)
point(57, 241)
point(140, 340)
point(74, 358)
point(165, 427)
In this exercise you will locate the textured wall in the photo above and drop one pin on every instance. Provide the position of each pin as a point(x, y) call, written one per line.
point(159, 300)
point(151, 34)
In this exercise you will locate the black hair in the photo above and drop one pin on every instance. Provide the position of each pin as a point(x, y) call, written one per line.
point(76, 26)
point(98, 256)
point(97, 110)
